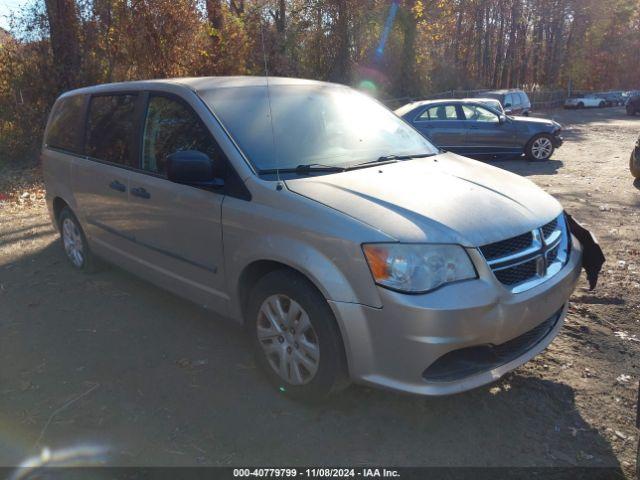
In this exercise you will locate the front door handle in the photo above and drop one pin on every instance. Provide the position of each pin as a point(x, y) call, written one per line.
point(140, 192)
point(116, 185)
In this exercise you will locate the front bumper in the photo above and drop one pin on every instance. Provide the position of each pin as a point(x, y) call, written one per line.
point(394, 346)
point(557, 140)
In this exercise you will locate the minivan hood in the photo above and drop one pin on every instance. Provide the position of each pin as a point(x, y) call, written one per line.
point(442, 199)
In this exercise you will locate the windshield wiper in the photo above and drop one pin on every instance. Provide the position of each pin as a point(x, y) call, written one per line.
point(389, 159)
point(405, 157)
point(305, 168)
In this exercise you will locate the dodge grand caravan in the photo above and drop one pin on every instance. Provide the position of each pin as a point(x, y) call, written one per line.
point(348, 245)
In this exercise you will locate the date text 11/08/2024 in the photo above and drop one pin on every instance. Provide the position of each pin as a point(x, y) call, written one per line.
point(316, 472)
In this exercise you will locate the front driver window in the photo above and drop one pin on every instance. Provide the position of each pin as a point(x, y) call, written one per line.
point(477, 113)
point(170, 127)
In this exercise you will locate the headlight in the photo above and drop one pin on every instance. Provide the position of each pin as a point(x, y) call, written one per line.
point(414, 268)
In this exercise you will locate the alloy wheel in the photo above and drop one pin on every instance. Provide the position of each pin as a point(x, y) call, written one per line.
point(72, 240)
point(288, 339)
point(541, 148)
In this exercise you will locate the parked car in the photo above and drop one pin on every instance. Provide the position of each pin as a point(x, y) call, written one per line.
point(344, 241)
point(633, 105)
point(584, 101)
point(634, 161)
point(514, 101)
point(469, 127)
point(612, 99)
point(629, 94)
point(489, 102)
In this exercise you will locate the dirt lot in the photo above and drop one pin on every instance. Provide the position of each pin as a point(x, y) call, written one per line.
point(110, 361)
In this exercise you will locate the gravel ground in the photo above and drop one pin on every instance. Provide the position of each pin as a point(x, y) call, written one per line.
point(109, 362)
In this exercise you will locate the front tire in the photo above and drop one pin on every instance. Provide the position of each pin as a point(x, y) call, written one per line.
point(75, 242)
point(602, 105)
point(539, 148)
point(634, 165)
point(580, 105)
point(295, 337)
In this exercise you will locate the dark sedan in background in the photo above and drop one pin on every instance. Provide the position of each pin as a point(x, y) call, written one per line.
point(471, 128)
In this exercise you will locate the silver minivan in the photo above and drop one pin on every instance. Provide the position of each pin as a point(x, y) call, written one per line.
point(350, 247)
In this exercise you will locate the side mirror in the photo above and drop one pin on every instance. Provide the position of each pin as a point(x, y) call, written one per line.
point(190, 167)
point(502, 118)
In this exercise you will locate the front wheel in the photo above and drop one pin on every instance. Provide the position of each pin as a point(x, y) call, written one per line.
point(539, 148)
point(295, 337)
point(602, 105)
point(634, 164)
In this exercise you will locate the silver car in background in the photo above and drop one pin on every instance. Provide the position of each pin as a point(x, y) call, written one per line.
point(348, 245)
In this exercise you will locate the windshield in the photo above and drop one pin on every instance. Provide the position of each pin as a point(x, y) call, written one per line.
point(312, 124)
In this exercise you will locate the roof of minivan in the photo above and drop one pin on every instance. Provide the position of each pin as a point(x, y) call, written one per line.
point(197, 83)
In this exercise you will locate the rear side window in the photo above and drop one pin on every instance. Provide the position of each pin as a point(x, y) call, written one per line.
point(524, 98)
point(439, 112)
point(516, 100)
point(111, 128)
point(65, 124)
point(508, 100)
point(170, 127)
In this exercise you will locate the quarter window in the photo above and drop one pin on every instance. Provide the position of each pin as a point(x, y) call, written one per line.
point(65, 124)
point(111, 129)
point(477, 113)
point(439, 112)
point(170, 127)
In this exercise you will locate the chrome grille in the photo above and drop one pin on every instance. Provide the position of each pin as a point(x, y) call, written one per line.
point(506, 247)
point(522, 262)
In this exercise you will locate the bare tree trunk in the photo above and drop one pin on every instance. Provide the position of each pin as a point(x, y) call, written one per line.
point(340, 71)
point(64, 31)
point(215, 14)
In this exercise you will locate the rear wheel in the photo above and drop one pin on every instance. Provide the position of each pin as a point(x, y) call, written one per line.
point(295, 337)
point(580, 105)
point(631, 111)
point(75, 242)
point(539, 148)
point(602, 105)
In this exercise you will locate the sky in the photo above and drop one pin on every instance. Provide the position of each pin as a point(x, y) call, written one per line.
point(6, 8)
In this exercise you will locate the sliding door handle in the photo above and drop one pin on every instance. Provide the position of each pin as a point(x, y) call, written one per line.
point(140, 192)
point(116, 185)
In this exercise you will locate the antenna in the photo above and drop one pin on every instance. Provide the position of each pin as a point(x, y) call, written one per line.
point(273, 133)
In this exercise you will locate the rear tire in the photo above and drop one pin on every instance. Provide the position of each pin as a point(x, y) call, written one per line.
point(540, 148)
point(580, 105)
point(74, 242)
point(295, 337)
point(602, 105)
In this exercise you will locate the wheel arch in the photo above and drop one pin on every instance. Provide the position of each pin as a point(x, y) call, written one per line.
point(58, 205)
point(257, 269)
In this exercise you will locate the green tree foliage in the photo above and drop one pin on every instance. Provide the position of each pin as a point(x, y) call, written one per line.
point(431, 45)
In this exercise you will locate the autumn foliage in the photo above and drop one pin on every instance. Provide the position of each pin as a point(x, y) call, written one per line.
point(393, 48)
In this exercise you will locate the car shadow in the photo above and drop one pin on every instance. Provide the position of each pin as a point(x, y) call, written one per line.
point(524, 167)
point(160, 381)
